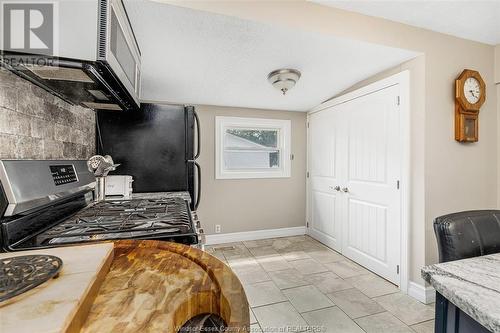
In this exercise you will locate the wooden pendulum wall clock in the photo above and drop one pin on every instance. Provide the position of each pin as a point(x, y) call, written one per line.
point(470, 94)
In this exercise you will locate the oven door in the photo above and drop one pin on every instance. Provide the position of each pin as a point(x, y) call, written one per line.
point(121, 50)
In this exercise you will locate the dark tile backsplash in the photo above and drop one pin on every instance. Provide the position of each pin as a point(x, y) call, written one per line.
point(36, 125)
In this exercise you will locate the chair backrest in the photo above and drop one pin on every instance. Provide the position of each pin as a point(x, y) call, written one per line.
point(467, 234)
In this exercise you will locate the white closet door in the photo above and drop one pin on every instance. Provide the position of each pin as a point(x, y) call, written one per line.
point(324, 200)
point(356, 145)
point(371, 223)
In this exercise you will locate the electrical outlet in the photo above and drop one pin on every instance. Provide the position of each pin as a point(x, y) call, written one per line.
point(217, 228)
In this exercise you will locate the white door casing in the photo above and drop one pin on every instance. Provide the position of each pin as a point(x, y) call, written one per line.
point(371, 164)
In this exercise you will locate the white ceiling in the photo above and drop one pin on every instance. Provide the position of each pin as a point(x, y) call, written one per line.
point(195, 57)
point(475, 20)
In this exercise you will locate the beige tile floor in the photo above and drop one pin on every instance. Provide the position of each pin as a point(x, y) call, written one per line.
point(296, 284)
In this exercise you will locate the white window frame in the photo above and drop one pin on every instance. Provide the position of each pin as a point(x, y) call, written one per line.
point(284, 127)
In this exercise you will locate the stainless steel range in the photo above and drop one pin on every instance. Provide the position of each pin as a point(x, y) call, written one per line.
point(49, 203)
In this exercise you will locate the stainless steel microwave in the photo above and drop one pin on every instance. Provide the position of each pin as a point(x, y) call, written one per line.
point(95, 60)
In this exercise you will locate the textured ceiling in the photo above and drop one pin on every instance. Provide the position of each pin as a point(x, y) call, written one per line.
point(195, 57)
point(475, 20)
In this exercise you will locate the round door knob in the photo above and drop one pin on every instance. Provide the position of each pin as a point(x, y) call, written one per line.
point(345, 189)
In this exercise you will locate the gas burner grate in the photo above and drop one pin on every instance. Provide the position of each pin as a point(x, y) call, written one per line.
point(23, 273)
point(119, 219)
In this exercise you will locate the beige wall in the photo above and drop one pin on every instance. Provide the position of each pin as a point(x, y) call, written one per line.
point(251, 204)
point(497, 81)
point(497, 64)
point(456, 176)
point(498, 143)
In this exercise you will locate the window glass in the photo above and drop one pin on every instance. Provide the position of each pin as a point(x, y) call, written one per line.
point(262, 137)
point(251, 149)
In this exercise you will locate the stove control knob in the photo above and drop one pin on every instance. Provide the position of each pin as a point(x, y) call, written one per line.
point(198, 224)
point(201, 231)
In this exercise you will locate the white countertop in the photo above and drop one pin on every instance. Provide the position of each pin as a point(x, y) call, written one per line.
point(55, 305)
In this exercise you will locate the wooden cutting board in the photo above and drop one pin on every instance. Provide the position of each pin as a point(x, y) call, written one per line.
point(61, 304)
point(156, 287)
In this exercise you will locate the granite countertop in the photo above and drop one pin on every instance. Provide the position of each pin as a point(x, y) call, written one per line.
point(473, 285)
point(156, 195)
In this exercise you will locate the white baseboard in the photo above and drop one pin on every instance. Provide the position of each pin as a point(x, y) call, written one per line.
point(254, 235)
point(423, 294)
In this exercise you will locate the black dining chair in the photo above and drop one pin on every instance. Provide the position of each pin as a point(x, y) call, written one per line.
point(467, 234)
point(460, 236)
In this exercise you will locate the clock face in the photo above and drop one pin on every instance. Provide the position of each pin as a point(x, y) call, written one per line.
point(472, 90)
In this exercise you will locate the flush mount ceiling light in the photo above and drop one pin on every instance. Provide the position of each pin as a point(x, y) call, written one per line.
point(284, 79)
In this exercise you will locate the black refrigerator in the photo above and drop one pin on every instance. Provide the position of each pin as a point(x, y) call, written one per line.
point(156, 145)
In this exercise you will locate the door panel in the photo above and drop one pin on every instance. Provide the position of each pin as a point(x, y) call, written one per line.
point(367, 219)
point(323, 212)
point(367, 139)
point(323, 198)
point(371, 223)
point(323, 142)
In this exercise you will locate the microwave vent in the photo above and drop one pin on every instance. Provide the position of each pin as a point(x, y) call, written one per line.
point(102, 106)
point(60, 73)
point(102, 24)
point(98, 94)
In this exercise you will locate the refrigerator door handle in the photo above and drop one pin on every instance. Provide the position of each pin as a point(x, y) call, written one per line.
point(198, 185)
point(198, 135)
